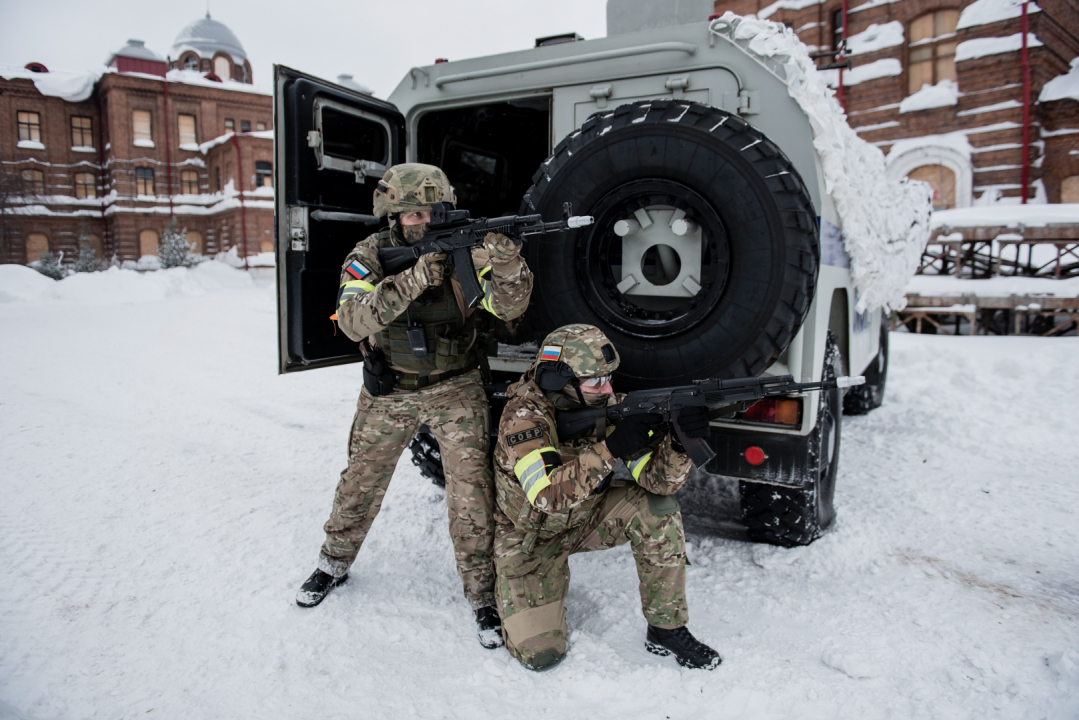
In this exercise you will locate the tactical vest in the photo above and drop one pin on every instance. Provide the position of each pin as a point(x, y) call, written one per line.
point(450, 337)
point(513, 502)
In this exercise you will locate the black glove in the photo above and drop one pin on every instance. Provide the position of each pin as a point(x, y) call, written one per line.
point(631, 434)
point(693, 422)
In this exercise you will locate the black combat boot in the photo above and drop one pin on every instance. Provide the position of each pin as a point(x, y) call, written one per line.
point(317, 587)
point(489, 627)
point(688, 650)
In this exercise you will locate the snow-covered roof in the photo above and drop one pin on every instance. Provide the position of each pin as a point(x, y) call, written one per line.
point(347, 81)
point(71, 86)
point(135, 49)
point(207, 36)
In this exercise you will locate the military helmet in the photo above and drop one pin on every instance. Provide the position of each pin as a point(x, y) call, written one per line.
point(412, 187)
point(574, 351)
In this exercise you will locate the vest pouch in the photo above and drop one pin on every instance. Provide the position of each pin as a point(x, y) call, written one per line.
point(453, 353)
point(377, 377)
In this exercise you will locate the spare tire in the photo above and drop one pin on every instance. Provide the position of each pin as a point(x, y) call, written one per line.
point(722, 299)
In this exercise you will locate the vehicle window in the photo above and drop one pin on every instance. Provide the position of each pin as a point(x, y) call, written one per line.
point(352, 138)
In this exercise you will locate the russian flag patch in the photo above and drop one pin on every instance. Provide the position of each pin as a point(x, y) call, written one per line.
point(551, 352)
point(357, 270)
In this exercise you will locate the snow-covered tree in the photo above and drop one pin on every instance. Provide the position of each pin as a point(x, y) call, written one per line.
point(86, 260)
point(173, 250)
point(49, 266)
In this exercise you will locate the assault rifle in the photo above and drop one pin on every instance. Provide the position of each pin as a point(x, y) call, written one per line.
point(456, 233)
point(711, 393)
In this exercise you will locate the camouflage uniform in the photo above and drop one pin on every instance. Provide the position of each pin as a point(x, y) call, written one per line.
point(553, 501)
point(455, 409)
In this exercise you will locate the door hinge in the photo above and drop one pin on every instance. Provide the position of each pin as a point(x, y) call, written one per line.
point(600, 93)
point(744, 102)
point(299, 239)
point(677, 85)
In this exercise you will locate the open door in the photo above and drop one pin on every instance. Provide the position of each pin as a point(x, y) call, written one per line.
point(331, 146)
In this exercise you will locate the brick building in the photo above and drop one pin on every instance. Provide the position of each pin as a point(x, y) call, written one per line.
point(118, 151)
point(938, 86)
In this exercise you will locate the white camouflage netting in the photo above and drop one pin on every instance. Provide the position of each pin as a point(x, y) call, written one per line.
point(885, 223)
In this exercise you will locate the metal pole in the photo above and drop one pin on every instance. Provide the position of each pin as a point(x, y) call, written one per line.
point(840, 56)
point(1025, 60)
point(168, 153)
point(243, 210)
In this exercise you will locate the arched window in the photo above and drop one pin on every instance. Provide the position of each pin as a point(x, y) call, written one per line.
point(222, 67)
point(932, 49)
point(33, 182)
point(85, 185)
point(36, 243)
point(1069, 189)
point(942, 180)
point(194, 241)
point(189, 182)
point(191, 62)
point(147, 243)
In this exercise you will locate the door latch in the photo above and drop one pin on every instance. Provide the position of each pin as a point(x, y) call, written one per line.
point(299, 238)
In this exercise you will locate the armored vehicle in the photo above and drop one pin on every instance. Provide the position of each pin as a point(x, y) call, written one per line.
point(716, 250)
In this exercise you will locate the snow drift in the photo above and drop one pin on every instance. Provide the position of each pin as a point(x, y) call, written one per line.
point(885, 223)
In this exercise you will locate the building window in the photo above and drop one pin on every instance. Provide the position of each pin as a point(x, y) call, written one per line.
point(144, 181)
point(81, 132)
point(34, 181)
point(230, 125)
point(187, 130)
point(217, 179)
point(36, 243)
point(932, 49)
point(141, 128)
point(260, 126)
point(85, 185)
point(191, 62)
point(189, 182)
point(1069, 189)
point(29, 126)
point(245, 126)
point(837, 29)
point(147, 242)
point(942, 180)
point(222, 68)
point(263, 174)
point(194, 241)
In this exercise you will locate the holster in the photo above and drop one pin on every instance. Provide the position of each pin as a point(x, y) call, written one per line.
point(377, 377)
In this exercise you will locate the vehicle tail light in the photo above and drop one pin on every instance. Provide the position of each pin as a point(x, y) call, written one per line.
point(775, 411)
point(754, 455)
point(439, 61)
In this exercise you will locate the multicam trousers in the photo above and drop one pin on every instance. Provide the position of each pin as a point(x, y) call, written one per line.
point(531, 587)
point(456, 412)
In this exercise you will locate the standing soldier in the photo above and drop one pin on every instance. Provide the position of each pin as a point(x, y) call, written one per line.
point(421, 367)
point(556, 497)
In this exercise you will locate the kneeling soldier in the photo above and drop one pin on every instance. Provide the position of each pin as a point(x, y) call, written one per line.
point(423, 370)
point(556, 497)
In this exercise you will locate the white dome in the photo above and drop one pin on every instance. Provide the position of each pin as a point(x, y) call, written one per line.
point(206, 37)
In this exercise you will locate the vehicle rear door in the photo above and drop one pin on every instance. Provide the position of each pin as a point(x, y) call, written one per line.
point(331, 146)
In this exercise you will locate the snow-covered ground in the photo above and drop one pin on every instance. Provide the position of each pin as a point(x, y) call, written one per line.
point(163, 494)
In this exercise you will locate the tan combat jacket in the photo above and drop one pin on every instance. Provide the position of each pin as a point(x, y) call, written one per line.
point(546, 486)
point(369, 301)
